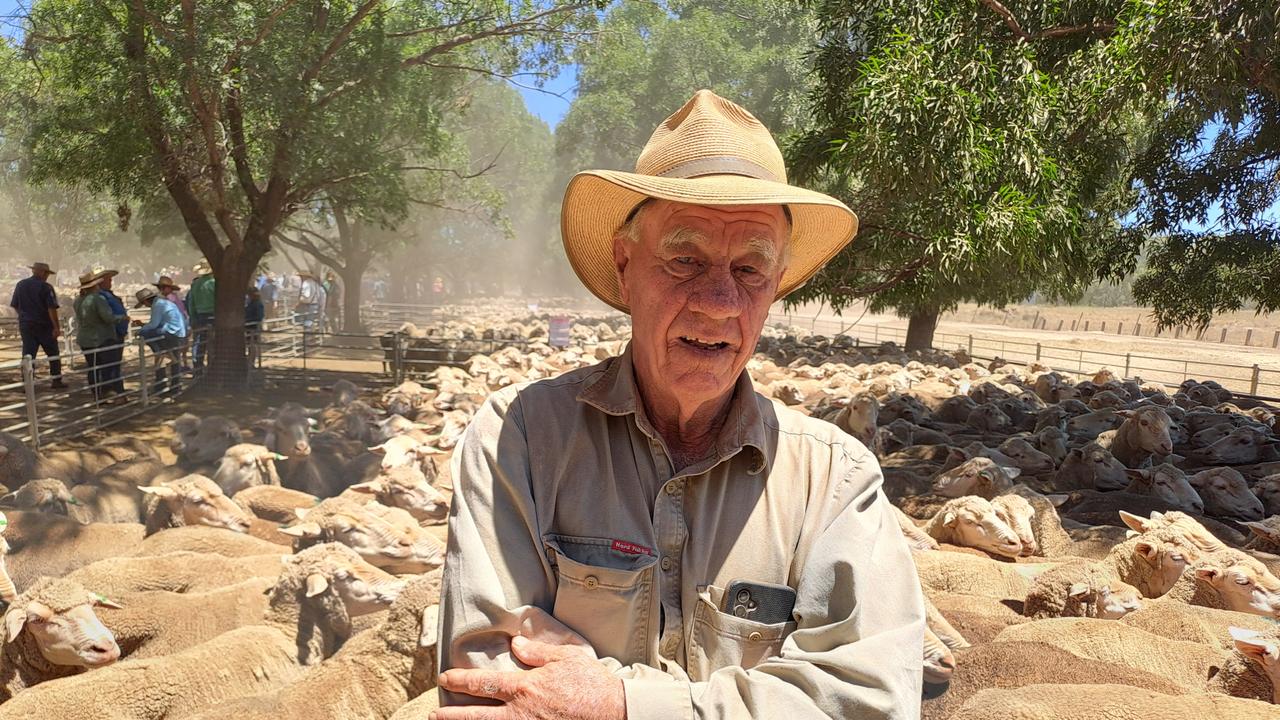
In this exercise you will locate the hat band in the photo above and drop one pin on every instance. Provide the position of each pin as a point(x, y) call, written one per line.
point(719, 165)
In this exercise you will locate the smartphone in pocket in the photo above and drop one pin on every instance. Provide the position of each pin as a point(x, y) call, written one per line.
point(759, 601)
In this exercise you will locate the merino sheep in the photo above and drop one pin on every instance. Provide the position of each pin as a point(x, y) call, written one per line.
point(386, 537)
point(1102, 702)
point(1090, 467)
point(406, 488)
point(51, 631)
point(1231, 580)
point(1266, 535)
point(1194, 623)
point(46, 495)
point(41, 545)
point(309, 618)
point(971, 521)
point(201, 539)
point(179, 572)
point(1268, 492)
point(192, 500)
point(1167, 483)
point(1153, 561)
point(1018, 514)
point(1144, 433)
point(274, 503)
point(978, 476)
point(1081, 589)
point(1261, 650)
point(1226, 494)
point(246, 465)
point(200, 441)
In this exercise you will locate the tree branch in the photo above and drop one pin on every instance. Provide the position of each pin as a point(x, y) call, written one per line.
point(309, 248)
point(338, 41)
point(233, 59)
point(1054, 32)
point(239, 146)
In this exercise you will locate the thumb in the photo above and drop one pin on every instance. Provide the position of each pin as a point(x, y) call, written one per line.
point(536, 654)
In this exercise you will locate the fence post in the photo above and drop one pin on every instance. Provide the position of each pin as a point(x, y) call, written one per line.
point(971, 347)
point(875, 334)
point(397, 362)
point(1086, 326)
point(144, 383)
point(29, 389)
point(1275, 341)
point(1120, 328)
point(1248, 336)
point(1037, 352)
point(1127, 358)
point(1060, 322)
point(1104, 326)
point(1224, 336)
point(1253, 381)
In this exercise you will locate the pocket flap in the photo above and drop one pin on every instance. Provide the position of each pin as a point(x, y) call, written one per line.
point(583, 558)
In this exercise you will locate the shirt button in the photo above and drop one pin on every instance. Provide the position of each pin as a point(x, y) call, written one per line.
point(673, 488)
point(755, 637)
point(666, 564)
point(591, 582)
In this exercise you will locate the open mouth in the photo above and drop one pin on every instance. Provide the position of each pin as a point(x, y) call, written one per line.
point(703, 345)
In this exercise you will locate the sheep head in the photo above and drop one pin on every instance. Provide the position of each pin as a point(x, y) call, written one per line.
point(1097, 466)
point(972, 522)
point(1268, 491)
point(404, 451)
point(1263, 650)
point(1029, 459)
point(408, 489)
point(1243, 583)
point(1226, 493)
point(200, 501)
point(388, 538)
point(1167, 483)
point(939, 661)
point(47, 495)
point(1242, 445)
point(977, 476)
point(1017, 513)
point(1151, 429)
point(58, 615)
point(1166, 552)
point(1113, 600)
point(246, 465)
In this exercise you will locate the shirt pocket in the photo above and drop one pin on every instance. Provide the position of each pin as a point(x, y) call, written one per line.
point(603, 594)
point(719, 639)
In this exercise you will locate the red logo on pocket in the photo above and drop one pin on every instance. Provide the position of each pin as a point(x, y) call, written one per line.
point(631, 548)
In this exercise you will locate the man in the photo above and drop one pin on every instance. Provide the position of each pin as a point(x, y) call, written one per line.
point(169, 290)
point(96, 333)
point(332, 303)
point(270, 291)
point(164, 333)
point(600, 518)
point(201, 300)
point(38, 324)
point(310, 298)
point(112, 357)
point(254, 314)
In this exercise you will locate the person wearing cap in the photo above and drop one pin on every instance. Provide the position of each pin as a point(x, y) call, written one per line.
point(601, 517)
point(112, 357)
point(164, 332)
point(201, 301)
point(96, 331)
point(38, 324)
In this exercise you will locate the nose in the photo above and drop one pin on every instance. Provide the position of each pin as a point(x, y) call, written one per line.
point(717, 295)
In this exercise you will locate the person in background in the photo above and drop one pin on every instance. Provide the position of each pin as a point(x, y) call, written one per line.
point(332, 302)
point(169, 290)
point(164, 333)
point(38, 324)
point(254, 314)
point(310, 297)
point(270, 294)
point(201, 300)
point(96, 332)
point(112, 357)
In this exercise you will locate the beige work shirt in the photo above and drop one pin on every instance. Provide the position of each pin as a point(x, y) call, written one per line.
point(566, 503)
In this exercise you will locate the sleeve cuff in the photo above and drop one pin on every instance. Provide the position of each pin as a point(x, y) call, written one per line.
point(657, 699)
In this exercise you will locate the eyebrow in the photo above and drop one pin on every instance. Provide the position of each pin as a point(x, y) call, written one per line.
point(758, 244)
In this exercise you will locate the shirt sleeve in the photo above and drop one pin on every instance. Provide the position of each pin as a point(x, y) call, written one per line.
point(50, 297)
point(103, 310)
point(854, 654)
point(496, 577)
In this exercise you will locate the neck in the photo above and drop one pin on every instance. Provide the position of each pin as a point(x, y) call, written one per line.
point(689, 431)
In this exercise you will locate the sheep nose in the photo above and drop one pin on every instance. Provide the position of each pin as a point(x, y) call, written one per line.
point(301, 446)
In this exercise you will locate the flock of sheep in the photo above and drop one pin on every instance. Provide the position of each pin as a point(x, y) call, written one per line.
point(1088, 547)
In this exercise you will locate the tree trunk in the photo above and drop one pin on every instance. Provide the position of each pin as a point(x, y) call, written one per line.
point(920, 329)
point(352, 277)
point(229, 365)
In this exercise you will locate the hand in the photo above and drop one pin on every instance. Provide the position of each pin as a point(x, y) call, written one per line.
point(565, 682)
point(136, 323)
point(57, 332)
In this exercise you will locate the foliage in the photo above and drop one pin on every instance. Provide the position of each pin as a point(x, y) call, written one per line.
point(984, 167)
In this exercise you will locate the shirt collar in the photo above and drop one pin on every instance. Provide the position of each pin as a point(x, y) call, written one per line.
point(614, 392)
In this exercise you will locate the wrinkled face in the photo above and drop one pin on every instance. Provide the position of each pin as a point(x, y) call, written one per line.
point(699, 281)
point(364, 588)
point(1117, 600)
point(983, 529)
point(1153, 431)
point(1167, 561)
point(1225, 492)
point(74, 638)
point(1017, 513)
point(1242, 445)
point(939, 662)
point(1244, 586)
point(1029, 459)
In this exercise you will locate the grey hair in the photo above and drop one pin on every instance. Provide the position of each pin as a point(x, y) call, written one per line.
point(631, 229)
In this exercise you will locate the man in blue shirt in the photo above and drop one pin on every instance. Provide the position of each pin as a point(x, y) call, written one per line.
point(110, 359)
point(164, 333)
point(37, 307)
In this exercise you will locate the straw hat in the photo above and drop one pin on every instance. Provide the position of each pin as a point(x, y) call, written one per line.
point(166, 282)
point(144, 295)
point(102, 274)
point(89, 280)
point(710, 152)
point(201, 268)
point(42, 266)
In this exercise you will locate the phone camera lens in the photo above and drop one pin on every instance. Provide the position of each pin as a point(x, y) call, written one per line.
point(743, 596)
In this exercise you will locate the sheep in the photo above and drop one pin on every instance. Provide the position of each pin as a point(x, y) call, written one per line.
point(179, 572)
point(1242, 446)
point(406, 451)
point(246, 465)
point(987, 417)
point(1080, 589)
point(18, 463)
point(1092, 424)
point(274, 503)
point(41, 544)
point(956, 409)
point(1017, 513)
point(1226, 494)
point(47, 495)
point(419, 707)
point(388, 538)
point(939, 662)
point(192, 500)
point(1268, 492)
point(308, 619)
point(344, 392)
point(374, 674)
point(1153, 561)
point(971, 521)
point(1231, 580)
point(1263, 651)
point(978, 476)
point(113, 496)
point(1193, 530)
point(1106, 399)
point(200, 539)
point(1052, 441)
point(964, 574)
point(1167, 483)
point(406, 488)
point(1090, 467)
point(200, 441)
point(38, 647)
point(1095, 702)
point(1144, 433)
point(1193, 623)
point(1026, 457)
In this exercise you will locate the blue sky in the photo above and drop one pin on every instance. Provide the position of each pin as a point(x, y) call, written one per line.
point(552, 102)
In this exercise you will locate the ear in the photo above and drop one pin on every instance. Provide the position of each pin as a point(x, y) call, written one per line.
point(378, 450)
point(1126, 413)
point(1146, 550)
point(104, 601)
point(160, 491)
point(430, 617)
point(302, 530)
point(1058, 499)
point(1251, 643)
point(949, 519)
point(1258, 528)
point(1137, 475)
point(17, 618)
point(371, 487)
point(1136, 522)
point(10, 500)
point(14, 620)
point(316, 584)
point(1011, 472)
point(1078, 590)
point(1208, 574)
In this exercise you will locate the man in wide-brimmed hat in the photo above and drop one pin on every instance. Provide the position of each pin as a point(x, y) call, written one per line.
point(96, 333)
point(200, 303)
point(649, 537)
point(38, 324)
point(112, 357)
point(164, 333)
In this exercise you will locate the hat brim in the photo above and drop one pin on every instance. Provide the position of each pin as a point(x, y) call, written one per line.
point(90, 284)
point(597, 203)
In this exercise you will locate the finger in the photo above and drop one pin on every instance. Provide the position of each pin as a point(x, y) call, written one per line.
point(536, 654)
point(470, 712)
point(480, 683)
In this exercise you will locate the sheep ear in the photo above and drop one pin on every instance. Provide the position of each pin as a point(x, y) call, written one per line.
point(1078, 590)
point(300, 513)
point(14, 621)
point(1207, 574)
point(1257, 528)
point(104, 601)
point(1011, 472)
point(10, 500)
point(158, 491)
point(430, 618)
point(1136, 522)
point(302, 530)
point(316, 584)
point(1137, 474)
point(1251, 643)
point(378, 450)
point(949, 519)
point(370, 487)
point(1125, 413)
point(1146, 550)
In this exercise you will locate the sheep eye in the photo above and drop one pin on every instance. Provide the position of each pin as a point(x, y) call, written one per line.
point(1176, 557)
point(1242, 581)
